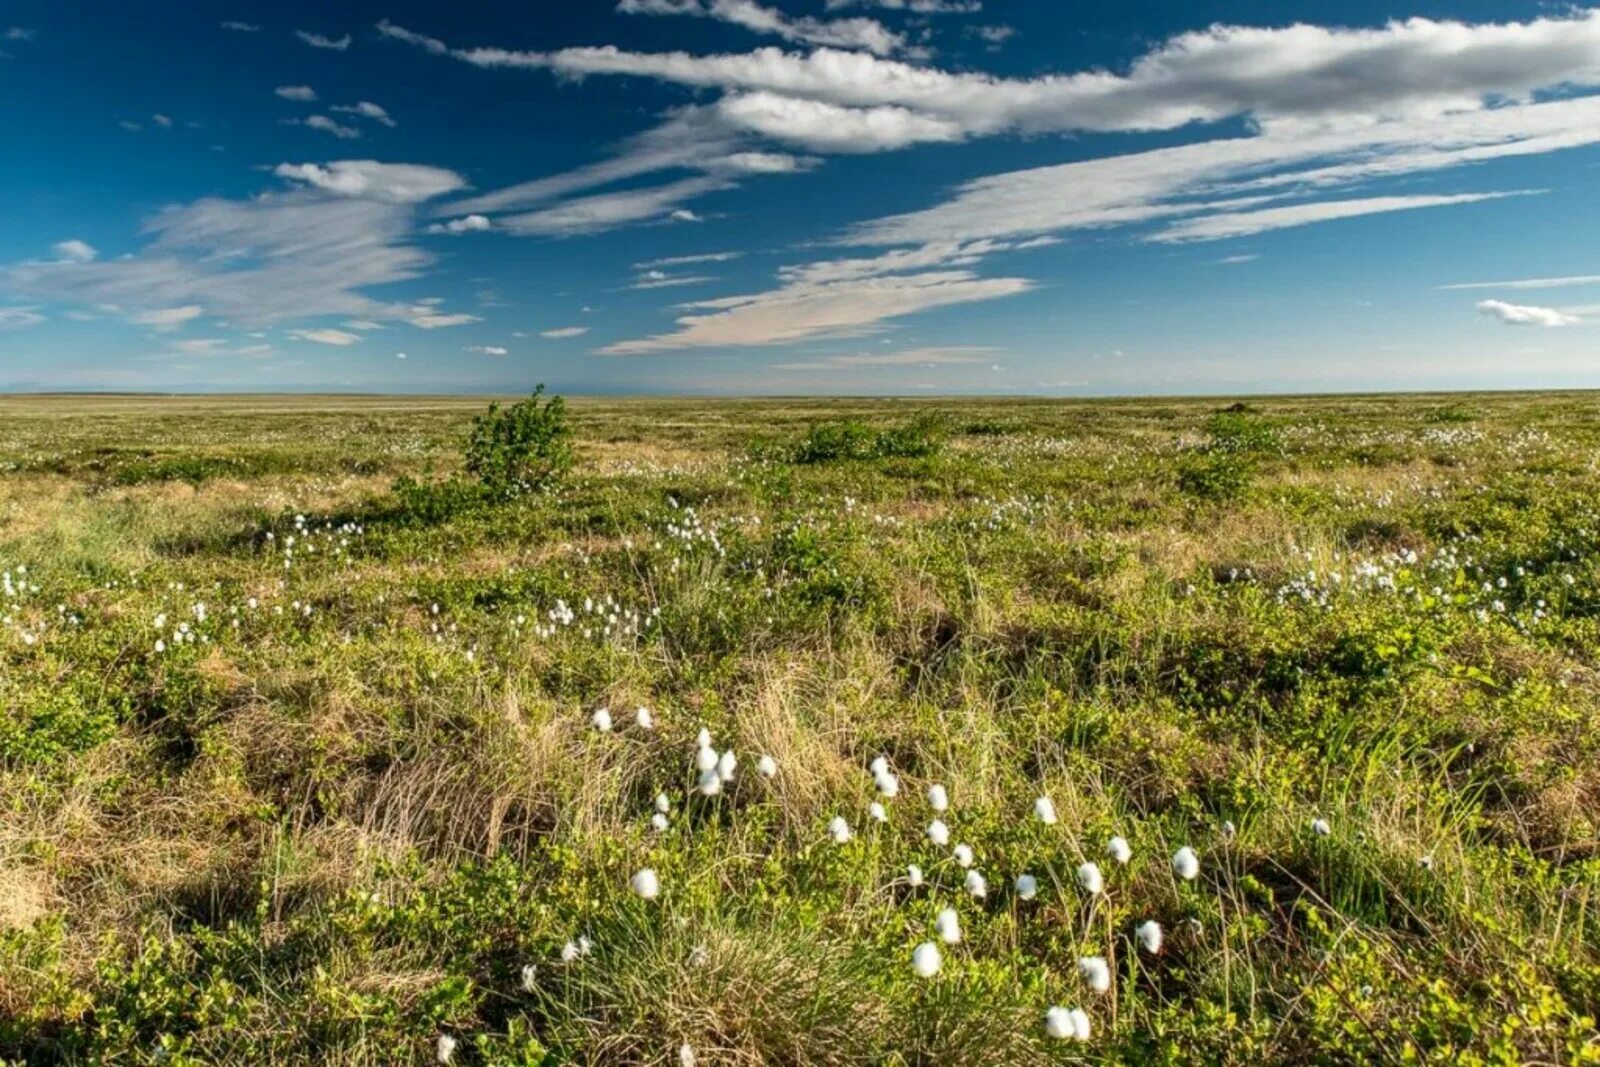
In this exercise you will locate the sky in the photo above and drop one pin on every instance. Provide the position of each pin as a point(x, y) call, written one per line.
point(910, 197)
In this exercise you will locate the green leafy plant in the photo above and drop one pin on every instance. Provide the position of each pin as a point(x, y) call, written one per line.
point(520, 448)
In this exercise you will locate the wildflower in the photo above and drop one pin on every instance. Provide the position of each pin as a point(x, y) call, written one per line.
point(839, 829)
point(963, 854)
point(601, 719)
point(645, 720)
point(1117, 848)
point(939, 833)
point(646, 884)
point(948, 924)
point(529, 977)
point(710, 783)
point(727, 763)
point(1064, 1025)
point(1320, 827)
point(1089, 878)
point(767, 767)
point(686, 1057)
point(705, 759)
point(570, 952)
point(887, 784)
point(1045, 809)
point(1228, 830)
point(876, 811)
point(925, 960)
point(658, 822)
point(663, 803)
point(914, 875)
point(1027, 886)
point(938, 799)
point(1149, 935)
point(1185, 864)
point(704, 738)
point(878, 767)
point(976, 885)
point(444, 1049)
point(1095, 973)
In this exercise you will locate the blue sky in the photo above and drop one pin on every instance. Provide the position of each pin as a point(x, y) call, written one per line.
point(800, 196)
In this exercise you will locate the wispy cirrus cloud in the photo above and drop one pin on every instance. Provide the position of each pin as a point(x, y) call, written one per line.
point(930, 356)
point(1530, 283)
point(863, 33)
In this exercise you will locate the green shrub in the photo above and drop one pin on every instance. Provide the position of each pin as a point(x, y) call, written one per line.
point(827, 442)
point(1214, 475)
point(524, 447)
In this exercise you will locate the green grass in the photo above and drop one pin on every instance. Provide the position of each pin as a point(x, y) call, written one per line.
point(297, 768)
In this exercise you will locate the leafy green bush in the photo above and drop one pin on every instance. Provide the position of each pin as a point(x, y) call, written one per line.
point(523, 447)
point(827, 442)
point(1214, 475)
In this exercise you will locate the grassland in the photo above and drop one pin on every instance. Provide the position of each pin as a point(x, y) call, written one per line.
point(294, 771)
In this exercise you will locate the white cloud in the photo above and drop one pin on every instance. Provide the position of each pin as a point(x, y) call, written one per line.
point(161, 120)
point(605, 211)
point(75, 250)
point(656, 279)
point(487, 350)
point(241, 27)
point(1526, 314)
point(318, 41)
point(252, 262)
point(1408, 69)
point(682, 261)
point(1531, 283)
point(465, 224)
point(327, 125)
point(1245, 223)
point(1229, 261)
point(341, 338)
point(367, 110)
point(302, 93)
point(863, 33)
point(396, 183)
point(20, 34)
point(826, 127)
point(428, 317)
point(215, 346)
point(801, 310)
point(16, 318)
point(166, 318)
point(563, 332)
point(916, 7)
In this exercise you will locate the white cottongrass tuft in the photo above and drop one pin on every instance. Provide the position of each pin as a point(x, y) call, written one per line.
point(663, 803)
point(1119, 849)
point(948, 925)
point(878, 766)
point(727, 764)
point(767, 767)
point(686, 1056)
point(976, 885)
point(703, 739)
point(963, 854)
point(444, 1049)
point(1027, 886)
point(645, 720)
point(938, 799)
point(659, 823)
point(601, 719)
point(1185, 864)
point(646, 884)
point(530, 977)
point(710, 782)
point(1320, 827)
point(839, 829)
point(875, 810)
point(1065, 1025)
point(570, 952)
point(1228, 830)
point(705, 759)
point(1045, 809)
point(914, 875)
point(939, 833)
point(926, 960)
point(1149, 935)
point(887, 783)
point(1090, 880)
point(1095, 972)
